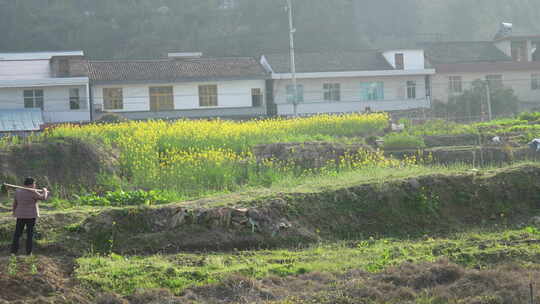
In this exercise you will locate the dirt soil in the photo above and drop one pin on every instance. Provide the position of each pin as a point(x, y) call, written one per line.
point(48, 280)
point(39, 280)
point(68, 162)
point(442, 282)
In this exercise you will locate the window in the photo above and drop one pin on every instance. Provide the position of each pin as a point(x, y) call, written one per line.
point(208, 96)
point(63, 67)
point(411, 89)
point(33, 99)
point(227, 4)
point(299, 93)
point(256, 97)
point(332, 91)
point(400, 62)
point(372, 91)
point(494, 81)
point(113, 99)
point(74, 99)
point(455, 84)
point(161, 99)
point(536, 51)
point(535, 82)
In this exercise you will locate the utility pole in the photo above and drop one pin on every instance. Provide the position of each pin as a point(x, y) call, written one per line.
point(488, 96)
point(292, 30)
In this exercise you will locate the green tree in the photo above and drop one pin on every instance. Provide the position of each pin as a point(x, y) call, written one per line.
point(473, 102)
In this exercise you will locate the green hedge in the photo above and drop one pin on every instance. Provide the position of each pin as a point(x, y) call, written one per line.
point(396, 141)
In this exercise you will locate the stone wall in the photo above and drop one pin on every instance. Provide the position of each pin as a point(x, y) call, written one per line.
point(308, 154)
point(472, 155)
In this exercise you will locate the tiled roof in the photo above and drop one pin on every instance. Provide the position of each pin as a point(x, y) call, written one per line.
point(329, 62)
point(463, 52)
point(518, 31)
point(171, 70)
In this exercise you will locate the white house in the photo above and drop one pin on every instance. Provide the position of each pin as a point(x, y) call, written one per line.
point(49, 86)
point(341, 82)
point(183, 85)
point(511, 60)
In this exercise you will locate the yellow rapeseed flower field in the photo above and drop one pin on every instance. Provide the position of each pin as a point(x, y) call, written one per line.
point(198, 156)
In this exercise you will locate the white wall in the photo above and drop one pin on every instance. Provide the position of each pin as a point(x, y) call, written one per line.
point(413, 59)
point(504, 46)
point(529, 50)
point(55, 103)
point(395, 95)
point(519, 81)
point(348, 107)
point(235, 93)
point(29, 69)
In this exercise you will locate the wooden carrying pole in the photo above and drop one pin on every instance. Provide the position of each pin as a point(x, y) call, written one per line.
point(8, 186)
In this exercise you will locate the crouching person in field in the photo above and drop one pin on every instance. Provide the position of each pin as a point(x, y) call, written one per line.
point(26, 210)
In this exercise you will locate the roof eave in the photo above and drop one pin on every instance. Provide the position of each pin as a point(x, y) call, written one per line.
point(356, 74)
point(46, 82)
point(517, 37)
point(482, 67)
point(173, 81)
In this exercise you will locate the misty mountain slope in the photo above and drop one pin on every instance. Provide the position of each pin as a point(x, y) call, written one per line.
point(150, 28)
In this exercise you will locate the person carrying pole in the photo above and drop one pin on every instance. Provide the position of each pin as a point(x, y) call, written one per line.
point(26, 211)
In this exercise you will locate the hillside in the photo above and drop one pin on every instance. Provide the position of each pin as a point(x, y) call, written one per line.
point(151, 28)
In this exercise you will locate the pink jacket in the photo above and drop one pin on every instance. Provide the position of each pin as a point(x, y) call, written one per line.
point(25, 204)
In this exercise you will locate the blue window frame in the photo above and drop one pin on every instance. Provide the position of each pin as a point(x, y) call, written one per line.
point(372, 91)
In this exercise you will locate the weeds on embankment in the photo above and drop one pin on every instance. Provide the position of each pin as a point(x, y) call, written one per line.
point(323, 180)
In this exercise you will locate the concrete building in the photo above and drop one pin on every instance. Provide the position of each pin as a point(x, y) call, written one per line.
point(511, 60)
point(342, 82)
point(49, 86)
point(183, 85)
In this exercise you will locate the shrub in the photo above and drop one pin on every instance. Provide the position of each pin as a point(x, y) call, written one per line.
point(407, 123)
point(112, 118)
point(473, 100)
point(529, 116)
point(122, 198)
point(394, 141)
point(441, 127)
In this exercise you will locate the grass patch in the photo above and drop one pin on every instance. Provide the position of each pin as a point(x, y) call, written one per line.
point(395, 141)
point(480, 249)
point(525, 123)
